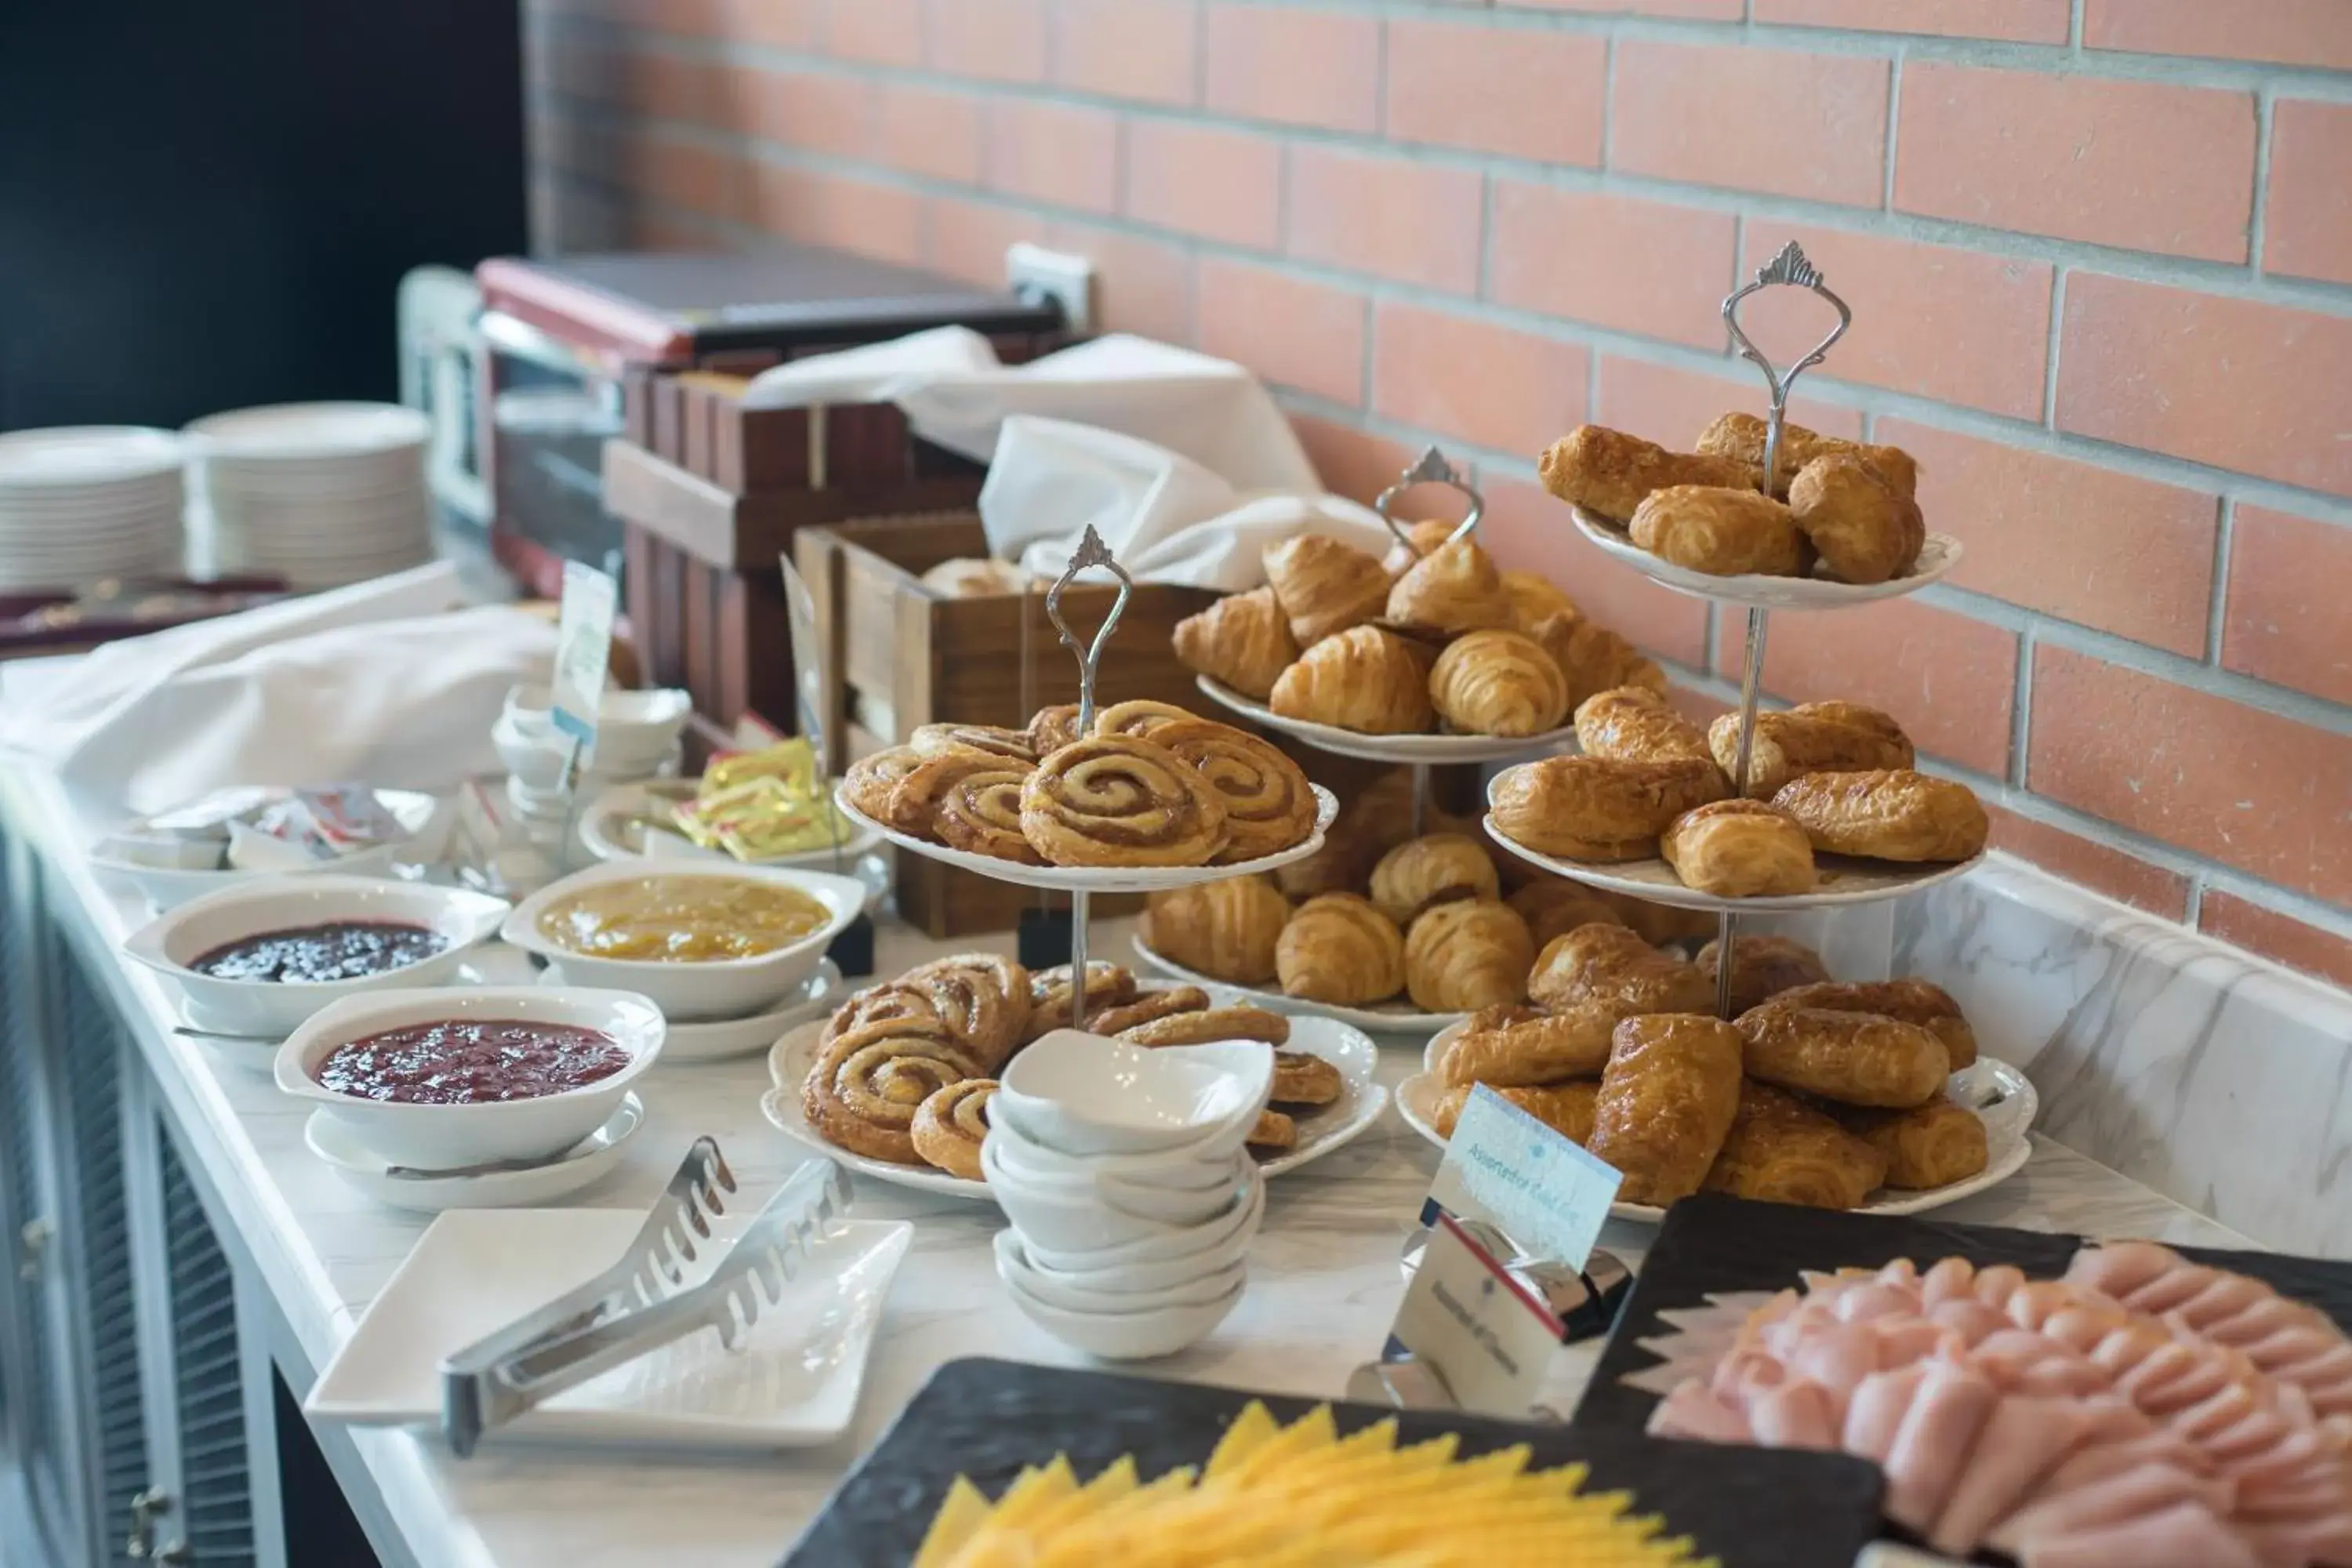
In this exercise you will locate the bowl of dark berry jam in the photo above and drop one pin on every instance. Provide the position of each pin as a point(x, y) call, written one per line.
point(260, 957)
point(441, 1079)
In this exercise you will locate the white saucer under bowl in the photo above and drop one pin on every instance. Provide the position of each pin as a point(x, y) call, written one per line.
point(569, 1172)
point(721, 1040)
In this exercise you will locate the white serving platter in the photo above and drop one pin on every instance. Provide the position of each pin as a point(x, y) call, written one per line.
point(1397, 1018)
point(1937, 556)
point(610, 830)
point(1393, 748)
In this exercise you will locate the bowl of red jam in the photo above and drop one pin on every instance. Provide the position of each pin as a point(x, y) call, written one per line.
point(442, 1078)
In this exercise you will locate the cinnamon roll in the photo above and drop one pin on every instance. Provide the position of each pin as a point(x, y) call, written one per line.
point(966, 800)
point(1149, 1004)
point(951, 1125)
point(982, 998)
point(937, 740)
point(1054, 726)
point(1110, 800)
point(862, 1090)
point(893, 1002)
point(1269, 805)
point(871, 779)
point(1107, 986)
point(1139, 717)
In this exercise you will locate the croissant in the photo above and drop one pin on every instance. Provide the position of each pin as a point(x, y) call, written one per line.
point(1612, 963)
point(1533, 597)
point(1498, 683)
point(1554, 907)
point(1324, 586)
point(1570, 1042)
point(1932, 1145)
point(1892, 814)
point(1423, 537)
point(1860, 529)
point(1814, 738)
point(1765, 967)
point(1724, 532)
point(1364, 679)
point(1375, 821)
point(1738, 849)
point(1340, 948)
point(1454, 588)
point(1634, 725)
point(1596, 810)
point(1594, 658)
point(1242, 641)
point(1469, 954)
point(1436, 868)
point(1782, 1150)
point(1742, 436)
point(1919, 1002)
point(1226, 930)
point(1611, 473)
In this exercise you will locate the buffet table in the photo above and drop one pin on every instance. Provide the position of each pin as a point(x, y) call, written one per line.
point(1324, 1274)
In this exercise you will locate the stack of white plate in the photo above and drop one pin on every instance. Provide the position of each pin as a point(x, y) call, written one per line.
point(319, 493)
point(87, 502)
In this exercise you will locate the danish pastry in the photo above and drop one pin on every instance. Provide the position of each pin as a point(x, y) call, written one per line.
point(1226, 930)
point(1273, 1131)
point(1596, 810)
point(1454, 588)
point(1780, 1150)
point(951, 1123)
point(1462, 956)
point(1421, 538)
point(1611, 473)
point(1742, 436)
point(871, 779)
point(1554, 907)
point(1340, 948)
point(1763, 967)
point(893, 1002)
point(1303, 1080)
point(966, 800)
point(1862, 530)
point(1722, 533)
point(1566, 1108)
point(1140, 718)
point(1891, 814)
point(1242, 641)
point(1052, 728)
point(938, 740)
point(1593, 659)
point(982, 998)
point(862, 1090)
point(1932, 1145)
point(1917, 1002)
point(1812, 738)
point(1738, 849)
point(1238, 1023)
point(1269, 805)
point(1854, 1058)
point(1636, 724)
point(1148, 1005)
point(1666, 1102)
point(1533, 597)
point(1107, 984)
point(1436, 868)
point(1612, 965)
point(1324, 586)
point(1364, 679)
point(1498, 683)
point(1111, 800)
point(1568, 1042)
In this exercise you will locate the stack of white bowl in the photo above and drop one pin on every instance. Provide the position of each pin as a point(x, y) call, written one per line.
point(1132, 1199)
point(86, 502)
point(318, 493)
point(637, 738)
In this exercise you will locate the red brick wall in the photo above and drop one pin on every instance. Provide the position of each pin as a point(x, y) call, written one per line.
point(2100, 251)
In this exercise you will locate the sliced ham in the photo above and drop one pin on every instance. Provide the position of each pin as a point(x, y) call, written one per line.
point(1874, 1414)
point(1933, 1445)
point(1994, 1286)
point(2146, 1488)
point(1967, 1317)
point(2224, 1297)
point(1796, 1416)
point(1949, 1280)
point(1694, 1410)
point(2182, 1536)
point(2119, 1267)
point(2022, 1440)
point(1837, 1361)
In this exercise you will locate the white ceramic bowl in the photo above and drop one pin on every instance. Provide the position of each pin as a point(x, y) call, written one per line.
point(168, 887)
point(715, 988)
point(633, 729)
point(171, 942)
point(1065, 1199)
point(443, 1137)
point(1191, 1167)
point(1080, 1094)
point(1013, 1266)
point(1169, 1255)
point(1123, 1336)
point(1076, 1218)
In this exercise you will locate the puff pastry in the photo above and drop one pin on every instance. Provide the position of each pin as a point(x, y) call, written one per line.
point(1636, 724)
point(1340, 948)
point(1742, 436)
point(1498, 683)
point(1110, 800)
point(967, 800)
point(1242, 641)
point(1890, 813)
point(1140, 718)
point(1375, 820)
point(1594, 809)
point(1364, 679)
point(864, 1088)
point(1454, 588)
point(1568, 1108)
point(951, 1123)
point(1932, 1145)
point(1854, 1058)
point(1763, 967)
point(938, 739)
point(1611, 473)
point(1666, 1102)
point(1239, 1023)
point(1465, 955)
point(1122, 1016)
point(1658, 923)
point(1612, 965)
point(1720, 532)
point(1919, 1002)
point(1269, 805)
point(1273, 1131)
point(1324, 586)
point(1226, 930)
point(1811, 738)
point(1052, 728)
point(1423, 537)
point(1782, 1150)
point(1300, 1078)
point(1567, 1042)
point(1738, 849)
point(1863, 531)
point(1533, 597)
point(1107, 986)
point(874, 778)
point(1436, 868)
point(1554, 907)
point(1593, 659)
point(981, 999)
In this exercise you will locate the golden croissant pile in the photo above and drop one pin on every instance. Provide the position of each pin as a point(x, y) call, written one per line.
point(1838, 509)
point(1833, 777)
point(1451, 642)
point(904, 1070)
point(1819, 1094)
point(1151, 784)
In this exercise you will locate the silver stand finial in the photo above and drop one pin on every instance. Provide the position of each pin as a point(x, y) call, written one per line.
point(1091, 551)
point(1430, 469)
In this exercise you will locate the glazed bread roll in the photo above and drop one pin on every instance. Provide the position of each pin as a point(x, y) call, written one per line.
point(1636, 724)
point(1545, 1048)
point(941, 740)
point(1053, 727)
point(1764, 966)
point(1226, 930)
point(1612, 965)
point(1498, 683)
point(1917, 1002)
point(1566, 1108)
point(1612, 473)
point(1242, 641)
point(1108, 800)
point(1140, 718)
point(1340, 948)
point(1781, 1150)
point(1854, 1058)
point(1742, 436)
point(1454, 588)
point(1364, 679)
point(1722, 533)
point(1270, 804)
point(1324, 586)
point(1436, 868)
point(1597, 810)
point(1534, 597)
point(1738, 849)
point(1593, 659)
point(1553, 908)
point(967, 800)
point(1462, 956)
point(1932, 1145)
point(1811, 738)
point(1863, 531)
point(1890, 813)
point(1666, 1102)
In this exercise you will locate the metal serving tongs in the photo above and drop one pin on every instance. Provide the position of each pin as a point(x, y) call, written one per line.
point(641, 1302)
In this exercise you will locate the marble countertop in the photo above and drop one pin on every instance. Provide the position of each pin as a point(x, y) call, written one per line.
point(1323, 1279)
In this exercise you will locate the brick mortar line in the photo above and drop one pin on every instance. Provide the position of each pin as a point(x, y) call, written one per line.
point(2258, 212)
point(2020, 707)
point(2333, 918)
point(1893, 129)
point(2193, 914)
point(2217, 609)
point(2053, 349)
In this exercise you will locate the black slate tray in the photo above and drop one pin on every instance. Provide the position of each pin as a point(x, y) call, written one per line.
point(1712, 1243)
point(1753, 1508)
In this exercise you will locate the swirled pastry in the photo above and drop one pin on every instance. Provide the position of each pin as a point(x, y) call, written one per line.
point(1763, 967)
point(1722, 533)
point(1919, 1002)
point(1891, 814)
point(1052, 728)
point(1165, 1003)
point(1738, 849)
point(862, 1090)
point(1854, 1058)
point(1205, 1024)
point(1272, 1132)
point(1498, 683)
point(1611, 473)
point(1340, 948)
point(1781, 1150)
point(893, 1002)
point(1107, 986)
point(1270, 804)
point(1863, 531)
point(1593, 809)
point(982, 998)
point(1566, 1108)
point(1300, 1078)
point(1226, 930)
point(1742, 436)
point(871, 779)
point(1636, 724)
point(1533, 597)
point(1811, 738)
point(1462, 956)
point(1142, 718)
point(951, 1123)
point(1667, 1100)
point(1242, 641)
point(1568, 1042)
point(1555, 907)
point(1324, 586)
point(1454, 588)
point(1932, 1145)
point(1593, 659)
point(1612, 965)
point(1110, 800)
point(1436, 868)
point(938, 739)
point(967, 800)
point(1364, 679)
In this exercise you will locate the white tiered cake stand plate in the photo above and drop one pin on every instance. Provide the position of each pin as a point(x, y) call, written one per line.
point(1937, 556)
point(1392, 748)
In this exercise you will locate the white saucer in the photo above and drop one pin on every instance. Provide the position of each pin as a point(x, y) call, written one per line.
point(1393, 748)
point(1937, 556)
point(719, 1039)
point(577, 1166)
point(794, 1384)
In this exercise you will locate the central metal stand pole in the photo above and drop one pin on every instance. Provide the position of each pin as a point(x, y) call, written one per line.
point(1750, 675)
point(1078, 902)
point(1420, 799)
